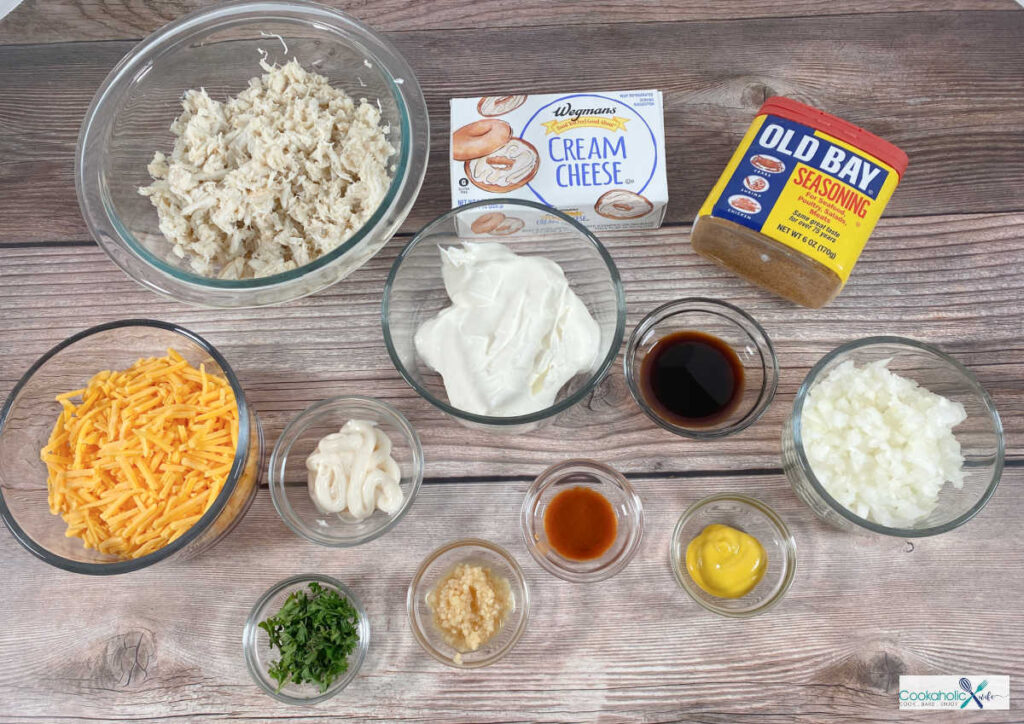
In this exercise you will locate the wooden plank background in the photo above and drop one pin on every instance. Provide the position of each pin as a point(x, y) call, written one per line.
point(954, 112)
point(945, 266)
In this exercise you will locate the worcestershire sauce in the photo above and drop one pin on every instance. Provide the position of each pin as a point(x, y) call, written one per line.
point(691, 379)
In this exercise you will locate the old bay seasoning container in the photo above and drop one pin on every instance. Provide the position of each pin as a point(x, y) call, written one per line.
point(797, 201)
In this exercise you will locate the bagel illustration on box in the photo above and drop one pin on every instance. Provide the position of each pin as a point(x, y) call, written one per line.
point(495, 160)
point(509, 225)
point(505, 169)
point(479, 138)
point(499, 105)
point(496, 223)
point(487, 223)
point(622, 204)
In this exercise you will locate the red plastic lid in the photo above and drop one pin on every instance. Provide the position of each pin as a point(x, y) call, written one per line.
point(843, 130)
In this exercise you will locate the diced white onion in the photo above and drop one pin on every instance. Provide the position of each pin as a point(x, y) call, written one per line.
point(882, 445)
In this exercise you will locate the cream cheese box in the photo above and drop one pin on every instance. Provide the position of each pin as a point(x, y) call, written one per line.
point(598, 157)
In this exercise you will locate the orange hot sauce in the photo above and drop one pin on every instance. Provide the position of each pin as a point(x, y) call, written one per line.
point(580, 524)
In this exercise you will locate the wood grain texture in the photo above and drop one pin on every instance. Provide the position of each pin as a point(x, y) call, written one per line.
point(956, 112)
point(952, 281)
point(42, 21)
point(165, 643)
point(946, 266)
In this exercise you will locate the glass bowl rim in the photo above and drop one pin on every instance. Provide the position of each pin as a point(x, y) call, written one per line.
point(229, 13)
point(411, 600)
point(279, 459)
point(795, 421)
point(237, 467)
point(789, 546)
point(251, 630)
point(550, 476)
point(559, 406)
point(769, 363)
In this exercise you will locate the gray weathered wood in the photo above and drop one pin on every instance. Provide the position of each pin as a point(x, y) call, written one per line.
point(39, 21)
point(956, 112)
point(938, 279)
point(945, 266)
point(166, 642)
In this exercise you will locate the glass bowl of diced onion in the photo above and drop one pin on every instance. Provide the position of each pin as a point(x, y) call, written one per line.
point(146, 498)
point(866, 478)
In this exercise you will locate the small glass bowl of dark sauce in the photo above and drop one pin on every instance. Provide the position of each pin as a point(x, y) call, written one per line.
point(701, 368)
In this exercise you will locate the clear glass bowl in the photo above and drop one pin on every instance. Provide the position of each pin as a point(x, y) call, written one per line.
point(259, 656)
point(980, 435)
point(28, 417)
point(734, 327)
point(415, 292)
point(288, 476)
point(753, 518)
point(629, 515)
point(218, 48)
point(436, 566)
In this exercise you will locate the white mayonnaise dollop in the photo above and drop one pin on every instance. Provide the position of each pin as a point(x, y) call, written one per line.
point(514, 335)
point(352, 470)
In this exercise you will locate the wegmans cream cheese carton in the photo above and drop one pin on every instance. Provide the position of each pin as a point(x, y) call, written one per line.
point(598, 157)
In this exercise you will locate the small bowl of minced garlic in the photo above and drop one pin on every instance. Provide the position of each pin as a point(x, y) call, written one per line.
point(345, 471)
point(468, 603)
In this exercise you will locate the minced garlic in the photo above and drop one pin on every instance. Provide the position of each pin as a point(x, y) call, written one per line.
point(470, 604)
point(272, 179)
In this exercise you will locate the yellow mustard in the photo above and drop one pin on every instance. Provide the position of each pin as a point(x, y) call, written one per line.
point(725, 562)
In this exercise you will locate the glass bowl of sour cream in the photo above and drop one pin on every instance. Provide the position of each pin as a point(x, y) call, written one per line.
point(345, 471)
point(504, 314)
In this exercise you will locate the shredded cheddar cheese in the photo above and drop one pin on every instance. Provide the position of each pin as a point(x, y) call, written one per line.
point(143, 454)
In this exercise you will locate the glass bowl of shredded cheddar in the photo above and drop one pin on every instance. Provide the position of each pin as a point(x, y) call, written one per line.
point(126, 444)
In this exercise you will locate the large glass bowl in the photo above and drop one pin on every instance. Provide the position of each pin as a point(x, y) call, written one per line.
point(415, 292)
point(980, 435)
point(288, 475)
point(28, 417)
point(219, 48)
point(259, 656)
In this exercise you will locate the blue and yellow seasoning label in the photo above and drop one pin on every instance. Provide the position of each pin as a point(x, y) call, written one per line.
point(805, 189)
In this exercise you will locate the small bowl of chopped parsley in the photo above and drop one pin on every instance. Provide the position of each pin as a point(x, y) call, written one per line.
point(306, 638)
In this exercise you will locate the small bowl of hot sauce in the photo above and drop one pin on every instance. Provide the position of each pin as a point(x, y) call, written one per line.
point(582, 521)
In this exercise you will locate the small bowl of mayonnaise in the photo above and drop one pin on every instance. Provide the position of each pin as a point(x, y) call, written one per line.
point(345, 471)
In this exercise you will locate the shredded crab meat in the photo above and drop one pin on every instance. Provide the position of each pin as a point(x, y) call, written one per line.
point(272, 179)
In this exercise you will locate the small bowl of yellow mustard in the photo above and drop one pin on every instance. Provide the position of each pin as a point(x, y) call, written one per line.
point(733, 555)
